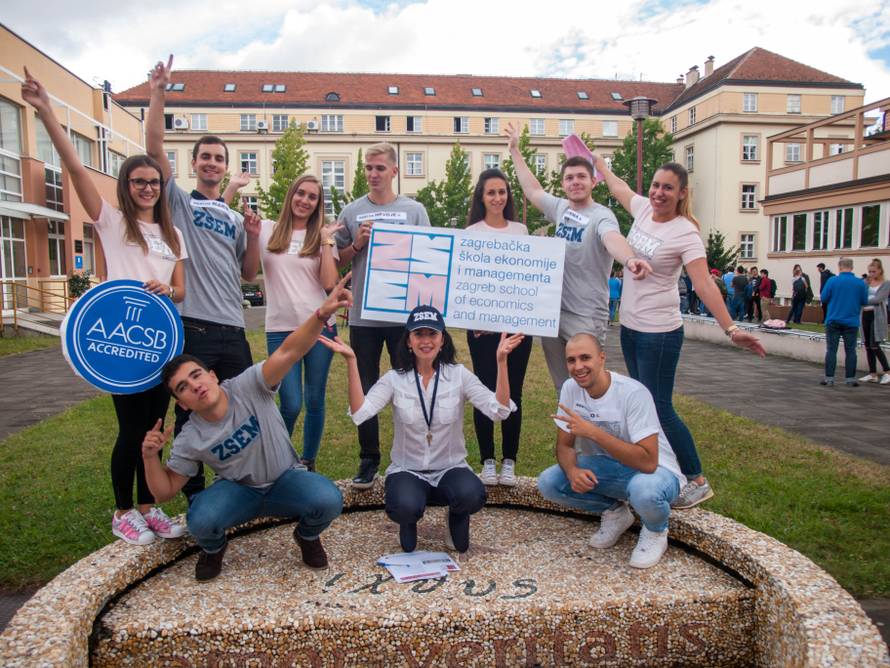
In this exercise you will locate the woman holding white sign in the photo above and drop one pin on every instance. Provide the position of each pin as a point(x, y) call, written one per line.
point(141, 244)
point(667, 235)
point(428, 389)
point(492, 210)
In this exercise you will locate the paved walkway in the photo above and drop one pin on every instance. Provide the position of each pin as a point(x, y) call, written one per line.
point(776, 391)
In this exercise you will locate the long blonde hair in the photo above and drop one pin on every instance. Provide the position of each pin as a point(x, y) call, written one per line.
point(880, 265)
point(684, 206)
point(283, 231)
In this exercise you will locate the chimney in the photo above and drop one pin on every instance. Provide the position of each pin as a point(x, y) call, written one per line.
point(709, 66)
point(680, 79)
point(692, 76)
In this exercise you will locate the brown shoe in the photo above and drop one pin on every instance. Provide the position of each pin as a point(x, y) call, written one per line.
point(313, 553)
point(209, 565)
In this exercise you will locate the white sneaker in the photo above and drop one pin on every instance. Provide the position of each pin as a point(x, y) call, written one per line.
point(131, 528)
point(650, 547)
point(161, 525)
point(613, 523)
point(869, 378)
point(489, 475)
point(508, 473)
point(885, 379)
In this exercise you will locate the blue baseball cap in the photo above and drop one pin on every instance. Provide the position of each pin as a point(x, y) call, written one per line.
point(425, 317)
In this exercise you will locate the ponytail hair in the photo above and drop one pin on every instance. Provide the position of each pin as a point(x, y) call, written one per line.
point(684, 207)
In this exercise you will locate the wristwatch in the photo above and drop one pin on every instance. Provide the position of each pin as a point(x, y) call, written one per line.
point(327, 242)
point(730, 330)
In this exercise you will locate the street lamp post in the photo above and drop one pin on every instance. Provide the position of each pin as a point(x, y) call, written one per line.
point(640, 109)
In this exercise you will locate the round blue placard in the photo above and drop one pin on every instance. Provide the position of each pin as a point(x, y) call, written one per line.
point(118, 336)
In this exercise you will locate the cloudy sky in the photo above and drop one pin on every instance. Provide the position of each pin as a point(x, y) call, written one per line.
point(651, 39)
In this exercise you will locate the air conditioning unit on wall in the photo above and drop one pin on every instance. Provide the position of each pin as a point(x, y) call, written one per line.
point(180, 124)
point(312, 126)
point(262, 126)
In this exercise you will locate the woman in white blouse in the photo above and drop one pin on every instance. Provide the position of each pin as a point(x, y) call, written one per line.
point(429, 456)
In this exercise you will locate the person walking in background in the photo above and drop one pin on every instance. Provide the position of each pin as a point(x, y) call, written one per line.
point(824, 275)
point(767, 289)
point(874, 323)
point(684, 285)
point(728, 275)
point(752, 296)
point(739, 291)
point(846, 295)
point(800, 284)
point(614, 294)
point(492, 210)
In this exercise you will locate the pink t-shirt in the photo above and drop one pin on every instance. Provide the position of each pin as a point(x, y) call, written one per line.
point(124, 259)
point(653, 304)
point(512, 228)
point(293, 283)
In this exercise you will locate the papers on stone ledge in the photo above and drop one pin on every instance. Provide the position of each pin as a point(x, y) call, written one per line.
point(411, 566)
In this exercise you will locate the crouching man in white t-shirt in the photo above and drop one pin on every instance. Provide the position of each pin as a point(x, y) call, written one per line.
point(236, 429)
point(611, 453)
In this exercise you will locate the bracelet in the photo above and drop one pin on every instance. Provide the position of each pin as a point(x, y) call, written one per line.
point(172, 292)
point(319, 316)
point(355, 249)
point(732, 329)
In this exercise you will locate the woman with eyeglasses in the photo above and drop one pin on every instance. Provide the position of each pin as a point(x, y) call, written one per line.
point(141, 244)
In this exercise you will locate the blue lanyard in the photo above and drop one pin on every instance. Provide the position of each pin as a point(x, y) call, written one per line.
point(427, 418)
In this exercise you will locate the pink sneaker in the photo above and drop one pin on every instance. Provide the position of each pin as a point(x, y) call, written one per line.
point(161, 525)
point(131, 528)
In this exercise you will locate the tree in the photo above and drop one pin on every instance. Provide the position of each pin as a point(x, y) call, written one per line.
point(525, 212)
point(718, 256)
point(291, 160)
point(448, 201)
point(359, 187)
point(656, 152)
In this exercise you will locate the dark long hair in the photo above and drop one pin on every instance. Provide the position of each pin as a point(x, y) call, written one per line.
point(477, 206)
point(130, 212)
point(403, 359)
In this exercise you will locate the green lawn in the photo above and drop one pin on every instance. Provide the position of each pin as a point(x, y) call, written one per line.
point(56, 500)
point(13, 345)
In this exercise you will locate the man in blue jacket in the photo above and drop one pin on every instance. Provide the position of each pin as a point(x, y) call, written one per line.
point(845, 295)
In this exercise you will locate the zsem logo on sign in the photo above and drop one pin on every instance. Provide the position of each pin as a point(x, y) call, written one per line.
point(118, 337)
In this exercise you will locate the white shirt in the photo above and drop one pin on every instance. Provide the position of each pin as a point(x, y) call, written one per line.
point(410, 450)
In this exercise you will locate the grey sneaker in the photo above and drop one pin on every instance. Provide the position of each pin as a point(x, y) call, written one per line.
point(508, 473)
point(692, 494)
point(489, 475)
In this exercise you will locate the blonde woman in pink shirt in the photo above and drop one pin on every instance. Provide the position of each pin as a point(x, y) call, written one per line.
point(667, 235)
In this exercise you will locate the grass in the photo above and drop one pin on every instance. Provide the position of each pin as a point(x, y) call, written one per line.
point(56, 500)
point(13, 345)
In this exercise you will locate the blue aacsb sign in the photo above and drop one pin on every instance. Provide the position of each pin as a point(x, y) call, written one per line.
point(118, 336)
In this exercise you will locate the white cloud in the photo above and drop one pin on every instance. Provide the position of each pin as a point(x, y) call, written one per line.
point(100, 40)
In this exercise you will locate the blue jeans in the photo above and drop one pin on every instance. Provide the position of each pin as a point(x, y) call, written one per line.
point(309, 497)
point(833, 334)
point(652, 358)
point(293, 390)
point(613, 309)
point(737, 308)
point(797, 304)
point(650, 494)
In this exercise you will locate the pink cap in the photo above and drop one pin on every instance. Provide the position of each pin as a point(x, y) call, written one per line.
point(572, 146)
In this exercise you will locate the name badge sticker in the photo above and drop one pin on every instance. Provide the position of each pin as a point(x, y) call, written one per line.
point(392, 217)
point(296, 245)
point(157, 246)
point(118, 336)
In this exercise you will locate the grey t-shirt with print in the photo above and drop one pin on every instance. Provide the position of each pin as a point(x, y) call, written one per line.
point(215, 237)
point(250, 445)
point(401, 211)
point(585, 278)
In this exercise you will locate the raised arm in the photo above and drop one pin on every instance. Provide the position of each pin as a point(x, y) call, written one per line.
point(354, 383)
point(327, 268)
point(505, 347)
point(618, 188)
point(154, 127)
point(236, 183)
point(163, 483)
point(35, 94)
point(250, 263)
point(530, 184)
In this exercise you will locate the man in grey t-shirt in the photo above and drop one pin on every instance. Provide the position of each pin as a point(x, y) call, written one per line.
point(236, 429)
point(367, 337)
point(592, 239)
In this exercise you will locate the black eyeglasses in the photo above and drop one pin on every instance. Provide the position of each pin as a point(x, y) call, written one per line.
point(154, 184)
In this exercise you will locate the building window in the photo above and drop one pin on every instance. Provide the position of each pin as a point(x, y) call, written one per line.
point(690, 158)
point(536, 127)
point(248, 122)
point(750, 144)
point(835, 149)
point(843, 228)
point(84, 148)
point(56, 239)
point(333, 175)
point(429, 90)
point(792, 152)
point(13, 259)
point(691, 115)
point(89, 249)
point(780, 233)
point(392, 90)
point(793, 105)
point(566, 126)
point(582, 95)
point(279, 122)
point(610, 128)
point(461, 124)
point(749, 102)
point(332, 97)
point(749, 197)
point(252, 202)
point(414, 164)
point(746, 247)
point(837, 104)
point(414, 124)
point(115, 162)
point(381, 123)
point(171, 158)
point(45, 149)
point(229, 88)
point(490, 125)
point(540, 163)
point(332, 122)
point(199, 121)
point(673, 124)
point(477, 92)
point(534, 92)
point(280, 88)
point(868, 236)
point(820, 230)
point(53, 180)
point(491, 160)
point(248, 162)
point(799, 232)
